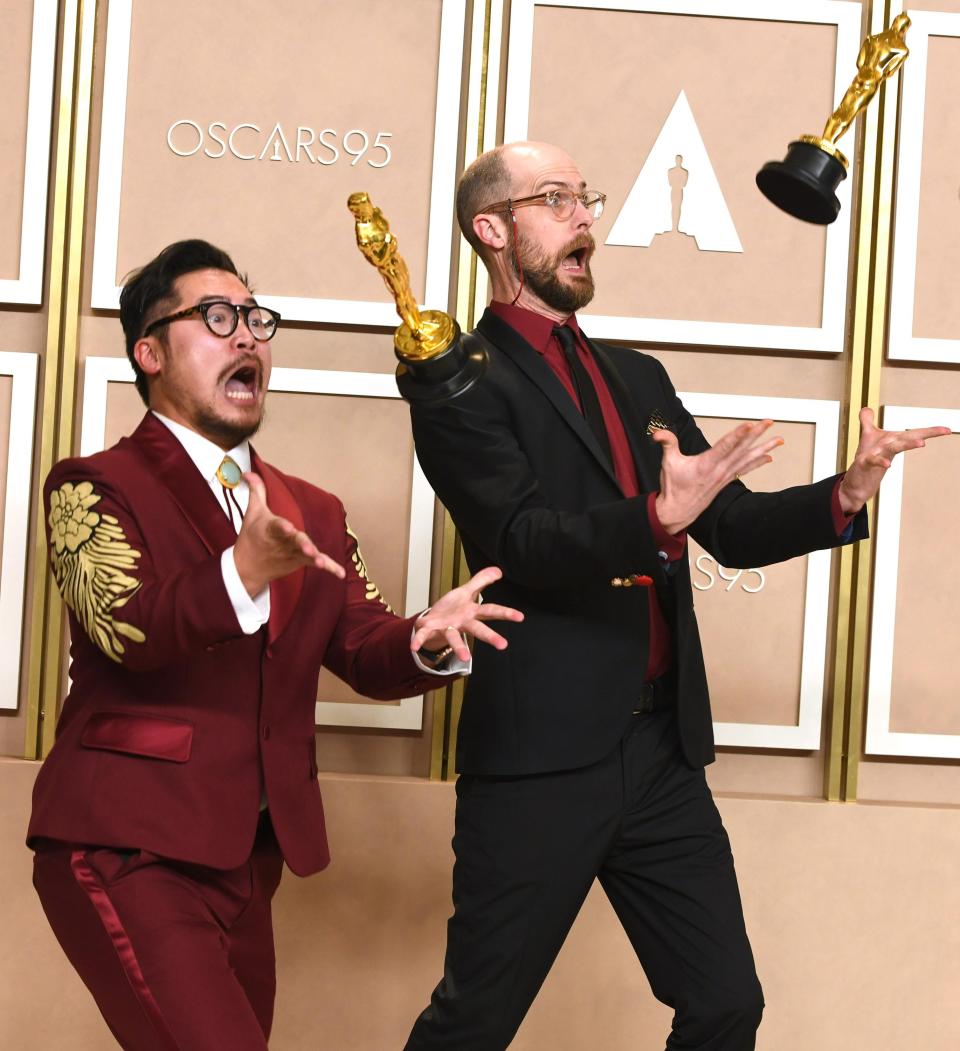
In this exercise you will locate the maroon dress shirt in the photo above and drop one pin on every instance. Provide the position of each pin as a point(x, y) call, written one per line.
point(537, 330)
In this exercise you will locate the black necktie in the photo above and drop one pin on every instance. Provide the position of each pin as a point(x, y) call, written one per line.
point(589, 401)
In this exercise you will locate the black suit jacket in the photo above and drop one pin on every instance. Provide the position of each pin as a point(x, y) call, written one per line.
point(530, 491)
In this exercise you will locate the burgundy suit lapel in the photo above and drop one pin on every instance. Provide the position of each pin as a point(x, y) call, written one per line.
point(166, 458)
point(284, 592)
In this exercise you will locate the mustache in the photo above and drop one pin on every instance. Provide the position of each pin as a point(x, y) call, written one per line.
point(581, 241)
point(250, 361)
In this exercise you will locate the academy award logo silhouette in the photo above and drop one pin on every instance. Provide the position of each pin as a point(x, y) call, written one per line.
point(677, 193)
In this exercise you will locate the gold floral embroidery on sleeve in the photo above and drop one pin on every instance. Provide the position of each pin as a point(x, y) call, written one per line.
point(91, 562)
point(373, 592)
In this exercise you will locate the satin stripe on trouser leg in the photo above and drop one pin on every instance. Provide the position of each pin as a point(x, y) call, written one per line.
point(176, 956)
point(527, 851)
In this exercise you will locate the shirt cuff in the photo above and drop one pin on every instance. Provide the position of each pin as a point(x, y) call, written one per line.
point(842, 522)
point(452, 666)
point(252, 613)
point(671, 546)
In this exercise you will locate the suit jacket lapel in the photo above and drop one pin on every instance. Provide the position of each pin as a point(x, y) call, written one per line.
point(167, 459)
point(646, 454)
point(539, 372)
point(285, 591)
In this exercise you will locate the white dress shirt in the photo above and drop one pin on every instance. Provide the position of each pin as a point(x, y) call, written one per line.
point(252, 613)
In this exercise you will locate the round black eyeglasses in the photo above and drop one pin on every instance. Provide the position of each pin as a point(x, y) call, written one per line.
point(222, 318)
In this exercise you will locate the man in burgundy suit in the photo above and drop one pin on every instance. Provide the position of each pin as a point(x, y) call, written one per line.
point(205, 590)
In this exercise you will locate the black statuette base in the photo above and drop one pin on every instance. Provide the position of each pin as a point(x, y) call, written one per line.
point(804, 183)
point(445, 376)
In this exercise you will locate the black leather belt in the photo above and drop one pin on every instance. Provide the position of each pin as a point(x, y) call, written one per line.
point(655, 696)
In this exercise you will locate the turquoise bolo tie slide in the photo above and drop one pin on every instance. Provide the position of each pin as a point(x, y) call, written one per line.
point(229, 473)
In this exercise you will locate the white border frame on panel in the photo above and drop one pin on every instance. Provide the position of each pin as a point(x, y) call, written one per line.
point(106, 293)
point(491, 105)
point(880, 739)
point(902, 343)
point(408, 713)
point(16, 515)
point(28, 286)
point(825, 415)
point(828, 337)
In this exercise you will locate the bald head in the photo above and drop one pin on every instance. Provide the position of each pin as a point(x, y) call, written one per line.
point(486, 180)
point(506, 171)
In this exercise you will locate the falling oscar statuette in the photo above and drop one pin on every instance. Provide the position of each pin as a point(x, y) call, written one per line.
point(804, 183)
point(437, 361)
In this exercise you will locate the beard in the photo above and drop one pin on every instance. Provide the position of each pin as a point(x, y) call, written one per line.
point(225, 433)
point(540, 274)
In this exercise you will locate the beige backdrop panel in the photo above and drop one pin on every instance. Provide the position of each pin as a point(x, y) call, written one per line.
point(845, 907)
point(11, 728)
point(936, 304)
point(16, 32)
point(933, 5)
point(753, 643)
point(609, 114)
point(910, 779)
point(326, 66)
point(6, 392)
point(21, 330)
point(925, 690)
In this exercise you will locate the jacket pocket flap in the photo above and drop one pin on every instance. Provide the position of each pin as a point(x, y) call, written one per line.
point(147, 735)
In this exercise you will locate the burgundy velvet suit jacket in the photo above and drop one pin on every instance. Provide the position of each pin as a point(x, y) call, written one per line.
point(176, 721)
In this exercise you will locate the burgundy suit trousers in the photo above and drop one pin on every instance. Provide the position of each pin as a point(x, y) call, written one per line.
point(177, 956)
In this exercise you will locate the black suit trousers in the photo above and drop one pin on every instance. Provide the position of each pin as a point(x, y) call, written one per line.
point(527, 851)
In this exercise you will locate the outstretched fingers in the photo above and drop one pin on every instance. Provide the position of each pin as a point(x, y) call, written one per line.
point(741, 450)
point(327, 564)
point(459, 644)
point(461, 612)
point(483, 578)
point(758, 456)
point(484, 633)
point(299, 546)
point(494, 611)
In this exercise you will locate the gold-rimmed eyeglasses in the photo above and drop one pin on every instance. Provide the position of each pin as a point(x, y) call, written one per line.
point(562, 203)
point(222, 317)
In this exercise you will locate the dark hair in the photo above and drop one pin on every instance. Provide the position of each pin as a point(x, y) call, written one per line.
point(148, 293)
point(485, 182)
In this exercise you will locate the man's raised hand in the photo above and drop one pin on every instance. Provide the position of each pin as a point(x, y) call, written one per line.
point(874, 456)
point(689, 483)
point(269, 547)
point(462, 612)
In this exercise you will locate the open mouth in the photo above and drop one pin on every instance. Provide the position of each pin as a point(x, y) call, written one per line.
point(576, 261)
point(242, 385)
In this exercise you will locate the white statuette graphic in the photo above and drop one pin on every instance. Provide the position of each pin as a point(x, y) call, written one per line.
point(677, 192)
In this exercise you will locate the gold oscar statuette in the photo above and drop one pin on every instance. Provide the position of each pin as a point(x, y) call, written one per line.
point(804, 183)
point(437, 362)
